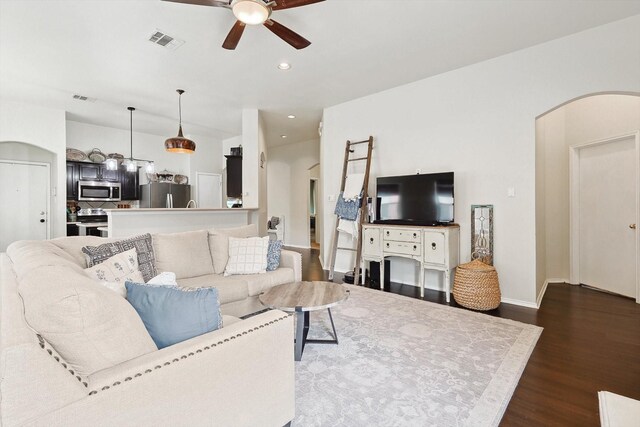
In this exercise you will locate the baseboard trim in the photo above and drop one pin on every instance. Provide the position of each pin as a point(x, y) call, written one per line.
point(544, 289)
point(298, 246)
point(542, 292)
point(519, 302)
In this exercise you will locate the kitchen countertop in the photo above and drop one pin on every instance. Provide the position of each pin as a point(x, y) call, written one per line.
point(138, 210)
point(93, 224)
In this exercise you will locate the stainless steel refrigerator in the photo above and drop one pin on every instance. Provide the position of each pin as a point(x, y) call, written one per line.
point(164, 195)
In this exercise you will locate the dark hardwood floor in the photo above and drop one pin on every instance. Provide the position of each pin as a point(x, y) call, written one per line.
point(590, 342)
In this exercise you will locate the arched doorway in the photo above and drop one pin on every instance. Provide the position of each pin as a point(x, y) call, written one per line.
point(589, 146)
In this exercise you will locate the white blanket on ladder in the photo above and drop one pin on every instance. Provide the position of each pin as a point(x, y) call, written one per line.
point(349, 227)
point(353, 186)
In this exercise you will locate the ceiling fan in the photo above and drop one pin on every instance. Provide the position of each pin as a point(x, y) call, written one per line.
point(256, 12)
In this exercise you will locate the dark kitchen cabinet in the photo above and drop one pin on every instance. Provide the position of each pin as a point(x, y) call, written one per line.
point(84, 171)
point(234, 176)
point(97, 172)
point(72, 181)
point(130, 184)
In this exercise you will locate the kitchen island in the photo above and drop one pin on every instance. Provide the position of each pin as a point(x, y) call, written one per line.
point(130, 222)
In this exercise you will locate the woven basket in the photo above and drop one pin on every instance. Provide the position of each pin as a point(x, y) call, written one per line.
point(476, 286)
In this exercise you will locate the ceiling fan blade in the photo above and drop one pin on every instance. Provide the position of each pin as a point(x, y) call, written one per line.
point(287, 35)
point(288, 4)
point(234, 35)
point(215, 3)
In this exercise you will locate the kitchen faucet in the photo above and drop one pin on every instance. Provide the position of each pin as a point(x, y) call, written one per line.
point(195, 205)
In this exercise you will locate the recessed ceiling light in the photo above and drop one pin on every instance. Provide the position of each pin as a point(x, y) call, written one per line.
point(291, 116)
point(284, 66)
point(283, 136)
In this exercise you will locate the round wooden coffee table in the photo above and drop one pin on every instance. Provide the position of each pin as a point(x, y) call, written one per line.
point(301, 298)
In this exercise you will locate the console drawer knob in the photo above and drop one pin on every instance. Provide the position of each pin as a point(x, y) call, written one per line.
point(433, 246)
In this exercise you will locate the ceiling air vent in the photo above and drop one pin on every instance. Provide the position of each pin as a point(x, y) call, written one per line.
point(84, 98)
point(164, 40)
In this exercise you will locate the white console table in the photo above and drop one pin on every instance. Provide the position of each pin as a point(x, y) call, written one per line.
point(435, 248)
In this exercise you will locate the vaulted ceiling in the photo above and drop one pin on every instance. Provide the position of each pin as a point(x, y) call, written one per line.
point(50, 50)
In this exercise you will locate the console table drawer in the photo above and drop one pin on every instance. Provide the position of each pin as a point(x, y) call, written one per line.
point(371, 242)
point(434, 250)
point(403, 248)
point(401, 235)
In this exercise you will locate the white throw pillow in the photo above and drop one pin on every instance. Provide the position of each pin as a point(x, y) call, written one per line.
point(164, 279)
point(247, 256)
point(115, 271)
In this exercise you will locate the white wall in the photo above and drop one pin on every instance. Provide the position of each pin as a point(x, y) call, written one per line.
point(288, 176)
point(206, 158)
point(43, 128)
point(479, 121)
point(250, 153)
point(588, 119)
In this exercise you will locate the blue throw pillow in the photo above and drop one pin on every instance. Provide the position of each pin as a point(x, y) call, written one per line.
point(172, 314)
point(273, 254)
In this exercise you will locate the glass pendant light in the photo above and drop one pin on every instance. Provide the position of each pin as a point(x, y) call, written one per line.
point(180, 144)
point(130, 163)
point(112, 164)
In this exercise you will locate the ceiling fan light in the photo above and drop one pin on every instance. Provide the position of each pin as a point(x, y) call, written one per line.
point(250, 12)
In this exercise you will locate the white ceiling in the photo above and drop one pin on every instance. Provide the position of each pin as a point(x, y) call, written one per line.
point(50, 50)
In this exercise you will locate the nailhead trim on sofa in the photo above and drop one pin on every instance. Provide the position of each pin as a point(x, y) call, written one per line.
point(56, 357)
point(190, 354)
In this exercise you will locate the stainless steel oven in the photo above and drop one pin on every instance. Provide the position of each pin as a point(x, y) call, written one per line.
point(99, 191)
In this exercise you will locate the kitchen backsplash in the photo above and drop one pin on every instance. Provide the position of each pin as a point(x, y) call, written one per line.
point(108, 205)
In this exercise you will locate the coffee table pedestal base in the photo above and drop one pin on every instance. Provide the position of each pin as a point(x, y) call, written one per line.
point(302, 330)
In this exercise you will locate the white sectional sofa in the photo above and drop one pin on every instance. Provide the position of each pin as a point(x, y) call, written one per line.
point(76, 353)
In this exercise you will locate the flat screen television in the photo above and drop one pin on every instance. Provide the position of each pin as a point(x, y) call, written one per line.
point(415, 199)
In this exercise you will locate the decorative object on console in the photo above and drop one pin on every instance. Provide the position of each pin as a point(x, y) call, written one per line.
point(247, 256)
point(476, 286)
point(482, 233)
point(273, 254)
point(257, 12)
point(180, 144)
point(115, 271)
point(172, 314)
point(142, 244)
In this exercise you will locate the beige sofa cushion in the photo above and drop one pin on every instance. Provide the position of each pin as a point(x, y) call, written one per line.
point(259, 283)
point(219, 243)
point(90, 326)
point(230, 289)
point(186, 254)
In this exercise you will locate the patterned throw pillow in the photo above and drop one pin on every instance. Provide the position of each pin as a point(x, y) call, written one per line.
point(247, 256)
point(115, 271)
point(142, 244)
point(273, 254)
point(172, 314)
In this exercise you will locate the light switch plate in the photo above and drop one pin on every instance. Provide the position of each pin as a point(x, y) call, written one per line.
point(511, 192)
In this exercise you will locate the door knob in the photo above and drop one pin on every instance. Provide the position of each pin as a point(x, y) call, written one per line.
point(632, 226)
point(42, 220)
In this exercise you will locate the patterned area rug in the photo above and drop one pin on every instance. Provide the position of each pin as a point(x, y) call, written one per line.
point(406, 362)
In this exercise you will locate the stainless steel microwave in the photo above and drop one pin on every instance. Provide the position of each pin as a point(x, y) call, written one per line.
point(99, 191)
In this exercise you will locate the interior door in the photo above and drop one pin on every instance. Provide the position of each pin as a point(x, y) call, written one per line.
point(607, 213)
point(24, 195)
point(209, 190)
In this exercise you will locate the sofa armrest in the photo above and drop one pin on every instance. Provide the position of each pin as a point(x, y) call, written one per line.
point(240, 375)
point(291, 259)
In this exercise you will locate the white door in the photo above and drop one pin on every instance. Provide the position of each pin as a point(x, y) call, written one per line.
point(607, 211)
point(24, 193)
point(209, 190)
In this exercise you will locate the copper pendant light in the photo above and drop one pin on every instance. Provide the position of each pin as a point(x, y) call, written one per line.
point(180, 144)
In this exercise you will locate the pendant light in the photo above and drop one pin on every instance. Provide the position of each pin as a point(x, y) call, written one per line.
point(180, 144)
point(131, 164)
